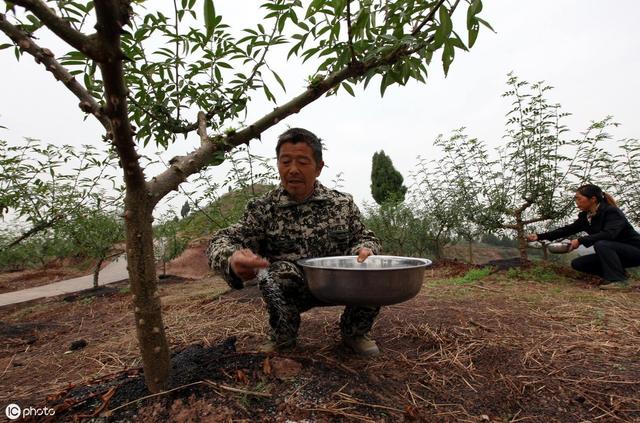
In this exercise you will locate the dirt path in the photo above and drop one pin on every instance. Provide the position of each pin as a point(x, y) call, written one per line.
point(115, 271)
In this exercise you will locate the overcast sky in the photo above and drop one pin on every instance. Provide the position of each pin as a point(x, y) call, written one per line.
point(588, 50)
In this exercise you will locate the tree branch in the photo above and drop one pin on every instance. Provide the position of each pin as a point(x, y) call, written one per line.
point(202, 128)
point(62, 28)
point(43, 55)
point(534, 220)
point(184, 166)
point(528, 203)
point(354, 59)
point(37, 228)
point(111, 17)
point(427, 18)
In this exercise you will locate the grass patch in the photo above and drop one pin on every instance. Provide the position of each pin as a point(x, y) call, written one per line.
point(473, 275)
point(536, 273)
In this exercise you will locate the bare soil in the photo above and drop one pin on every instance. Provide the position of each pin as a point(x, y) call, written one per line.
point(532, 345)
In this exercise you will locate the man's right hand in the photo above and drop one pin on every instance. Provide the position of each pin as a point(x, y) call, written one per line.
point(245, 264)
point(532, 237)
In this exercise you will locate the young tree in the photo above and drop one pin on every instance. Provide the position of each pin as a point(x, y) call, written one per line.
point(535, 177)
point(168, 243)
point(386, 181)
point(143, 94)
point(627, 179)
point(69, 212)
point(539, 176)
point(95, 231)
point(445, 191)
point(37, 186)
point(435, 202)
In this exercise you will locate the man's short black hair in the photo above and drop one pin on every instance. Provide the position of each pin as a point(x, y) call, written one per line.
point(296, 135)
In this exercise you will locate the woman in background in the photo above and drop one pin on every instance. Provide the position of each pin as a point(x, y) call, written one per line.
point(616, 243)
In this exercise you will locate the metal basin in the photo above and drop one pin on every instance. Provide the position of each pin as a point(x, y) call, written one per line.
point(380, 280)
point(559, 247)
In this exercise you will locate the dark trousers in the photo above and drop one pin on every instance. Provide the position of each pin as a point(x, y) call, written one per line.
point(287, 294)
point(609, 261)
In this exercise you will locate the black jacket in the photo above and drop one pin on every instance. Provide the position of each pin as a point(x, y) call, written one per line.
point(609, 223)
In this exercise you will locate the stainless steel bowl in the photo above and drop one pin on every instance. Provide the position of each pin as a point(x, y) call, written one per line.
point(559, 247)
point(379, 280)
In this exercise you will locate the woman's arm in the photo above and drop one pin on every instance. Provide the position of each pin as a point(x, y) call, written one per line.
point(565, 231)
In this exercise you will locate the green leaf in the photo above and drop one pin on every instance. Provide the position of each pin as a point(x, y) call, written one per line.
point(386, 81)
point(485, 23)
point(277, 77)
point(268, 94)
point(209, 17)
point(447, 57)
point(473, 35)
point(457, 42)
point(281, 22)
point(444, 29)
point(474, 8)
point(313, 7)
point(348, 89)
point(88, 82)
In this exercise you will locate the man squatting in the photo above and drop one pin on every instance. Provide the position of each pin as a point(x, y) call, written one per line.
point(299, 219)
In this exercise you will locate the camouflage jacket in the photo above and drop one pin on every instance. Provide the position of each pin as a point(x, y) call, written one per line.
point(328, 223)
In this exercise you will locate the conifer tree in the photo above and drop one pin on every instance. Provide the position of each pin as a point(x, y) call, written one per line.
point(386, 181)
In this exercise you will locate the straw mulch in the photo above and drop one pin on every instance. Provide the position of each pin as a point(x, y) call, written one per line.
point(497, 349)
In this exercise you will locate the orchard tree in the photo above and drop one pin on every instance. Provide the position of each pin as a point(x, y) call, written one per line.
point(38, 187)
point(386, 181)
point(95, 233)
point(168, 243)
point(627, 179)
point(149, 76)
point(538, 169)
point(451, 183)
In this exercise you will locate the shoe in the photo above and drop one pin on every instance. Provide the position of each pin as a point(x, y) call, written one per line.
point(272, 346)
point(361, 345)
point(615, 286)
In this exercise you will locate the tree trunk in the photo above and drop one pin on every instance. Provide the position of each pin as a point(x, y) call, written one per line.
point(438, 249)
point(545, 252)
point(143, 282)
point(470, 251)
point(522, 242)
point(96, 272)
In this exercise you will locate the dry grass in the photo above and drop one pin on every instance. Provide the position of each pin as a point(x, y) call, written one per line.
point(496, 350)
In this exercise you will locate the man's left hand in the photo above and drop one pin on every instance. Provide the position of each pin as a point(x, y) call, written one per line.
point(363, 253)
point(574, 244)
